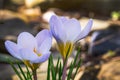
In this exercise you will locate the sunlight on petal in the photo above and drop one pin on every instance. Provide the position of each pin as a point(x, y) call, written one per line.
point(45, 46)
point(57, 29)
point(26, 40)
point(86, 30)
point(43, 35)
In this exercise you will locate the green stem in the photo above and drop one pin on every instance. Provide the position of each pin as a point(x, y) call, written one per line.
point(34, 74)
point(64, 70)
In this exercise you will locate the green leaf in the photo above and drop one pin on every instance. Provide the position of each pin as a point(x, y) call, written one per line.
point(14, 68)
point(48, 70)
point(66, 58)
point(4, 58)
point(73, 65)
point(70, 71)
point(29, 75)
point(23, 73)
point(60, 71)
point(79, 64)
point(57, 66)
point(52, 68)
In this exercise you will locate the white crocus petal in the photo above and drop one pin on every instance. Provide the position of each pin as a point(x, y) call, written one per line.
point(45, 46)
point(27, 54)
point(43, 35)
point(72, 28)
point(57, 29)
point(42, 58)
point(85, 31)
point(13, 49)
point(26, 40)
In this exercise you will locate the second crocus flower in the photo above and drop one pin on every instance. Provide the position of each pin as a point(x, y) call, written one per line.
point(67, 32)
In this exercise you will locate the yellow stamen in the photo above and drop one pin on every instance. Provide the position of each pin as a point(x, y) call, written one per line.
point(39, 54)
point(35, 50)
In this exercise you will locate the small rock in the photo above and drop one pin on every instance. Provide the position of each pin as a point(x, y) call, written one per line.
point(97, 24)
point(110, 70)
point(31, 3)
point(11, 28)
point(104, 40)
point(30, 13)
point(47, 15)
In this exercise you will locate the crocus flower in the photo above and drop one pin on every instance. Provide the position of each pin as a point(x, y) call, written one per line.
point(67, 32)
point(31, 50)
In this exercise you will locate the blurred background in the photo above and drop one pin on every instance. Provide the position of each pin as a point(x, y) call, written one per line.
point(100, 50)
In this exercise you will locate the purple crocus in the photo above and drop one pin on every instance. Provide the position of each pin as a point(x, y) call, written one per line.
point(67, 32)
point(31, 50)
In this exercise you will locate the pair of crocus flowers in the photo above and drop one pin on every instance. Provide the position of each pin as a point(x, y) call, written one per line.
point(35, 50)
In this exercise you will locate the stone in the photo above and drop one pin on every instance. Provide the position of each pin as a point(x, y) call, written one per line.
point(11, 28)
point(104, 40)
point(97, 23)
point(110, 70)
point(30, 13)
point(47, 15)
point(32, 3)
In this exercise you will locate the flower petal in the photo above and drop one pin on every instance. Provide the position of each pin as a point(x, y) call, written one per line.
point(57, 30)
point(86, 30)
point(27, 54)
point(72, 28)
point(26, 40)
point(42, 36)
point(46, 45)
point(42, 58)
point(13, 49)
